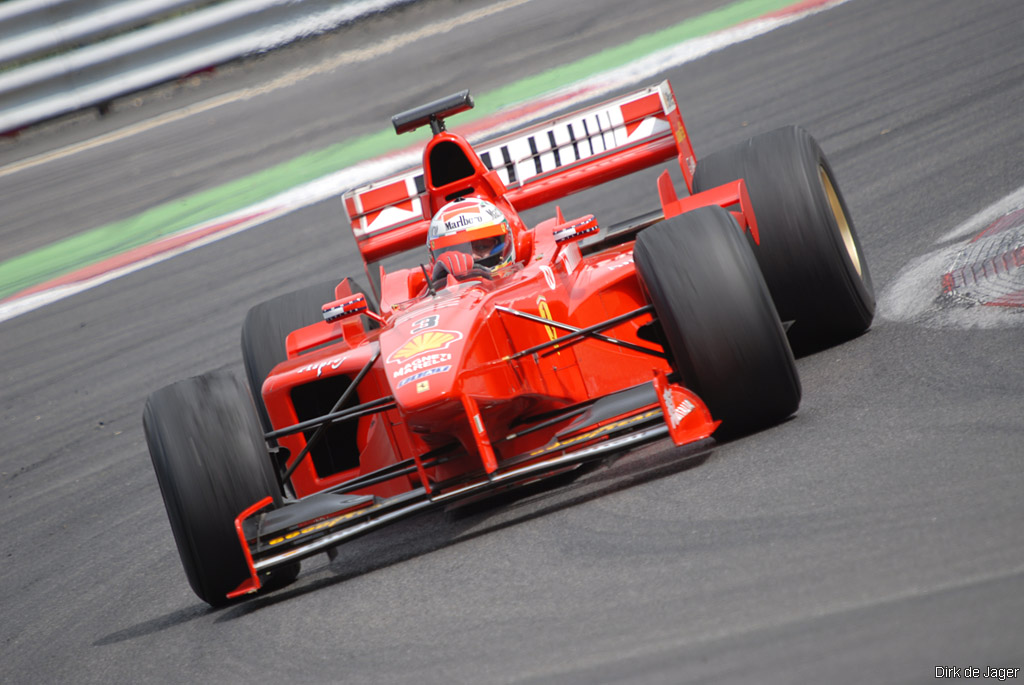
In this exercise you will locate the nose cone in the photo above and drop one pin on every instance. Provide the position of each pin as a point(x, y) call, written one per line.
point(428, 349)
point(422, 368)
point(422, 356)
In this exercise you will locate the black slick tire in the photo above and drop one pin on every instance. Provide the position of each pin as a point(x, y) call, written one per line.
point(719, 324)
point(809, 251)
point(211, 463)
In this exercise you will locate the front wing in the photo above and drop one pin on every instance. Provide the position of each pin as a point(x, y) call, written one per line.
point(319, 522)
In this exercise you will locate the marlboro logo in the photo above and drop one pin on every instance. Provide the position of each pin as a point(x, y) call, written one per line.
point(463, 221)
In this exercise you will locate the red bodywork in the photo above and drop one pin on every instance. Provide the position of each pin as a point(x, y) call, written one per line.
point(478, 383)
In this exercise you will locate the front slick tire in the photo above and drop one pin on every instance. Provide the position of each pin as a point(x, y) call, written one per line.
point(720, 326)
point(809, 252)
point(211, 463)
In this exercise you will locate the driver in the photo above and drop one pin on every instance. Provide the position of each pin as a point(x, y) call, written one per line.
point(470, 235)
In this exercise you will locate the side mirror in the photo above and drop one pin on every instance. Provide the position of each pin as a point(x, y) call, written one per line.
point(575, 230)
point(345, 308)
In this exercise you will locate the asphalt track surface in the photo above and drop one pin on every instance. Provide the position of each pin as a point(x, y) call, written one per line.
point(872, 538)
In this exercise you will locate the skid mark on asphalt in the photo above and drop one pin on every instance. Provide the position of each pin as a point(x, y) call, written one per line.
point(972, 283)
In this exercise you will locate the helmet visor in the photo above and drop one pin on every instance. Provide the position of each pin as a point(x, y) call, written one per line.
point(489, 246)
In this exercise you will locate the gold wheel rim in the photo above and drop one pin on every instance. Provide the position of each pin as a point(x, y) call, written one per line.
point(841, 221)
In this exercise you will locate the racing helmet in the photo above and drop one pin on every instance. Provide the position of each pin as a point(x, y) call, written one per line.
point(476, 228)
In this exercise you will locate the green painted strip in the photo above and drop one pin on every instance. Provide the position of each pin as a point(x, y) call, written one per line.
point(611, 58)
point(94, 245)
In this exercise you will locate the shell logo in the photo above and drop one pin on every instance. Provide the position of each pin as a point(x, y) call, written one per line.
point(424, 342)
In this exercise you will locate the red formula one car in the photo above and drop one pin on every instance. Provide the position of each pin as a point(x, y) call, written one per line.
point(510, 352)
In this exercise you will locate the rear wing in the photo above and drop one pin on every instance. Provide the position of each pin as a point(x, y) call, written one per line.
point(538, 164)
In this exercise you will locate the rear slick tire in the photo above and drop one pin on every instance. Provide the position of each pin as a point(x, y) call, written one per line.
point(211, 463)
point(809, 251)
point(721, 329)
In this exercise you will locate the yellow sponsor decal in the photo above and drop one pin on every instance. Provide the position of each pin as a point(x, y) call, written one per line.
point(321, 525)
point(545, 311)
point(424, 342)
point(596, 433)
